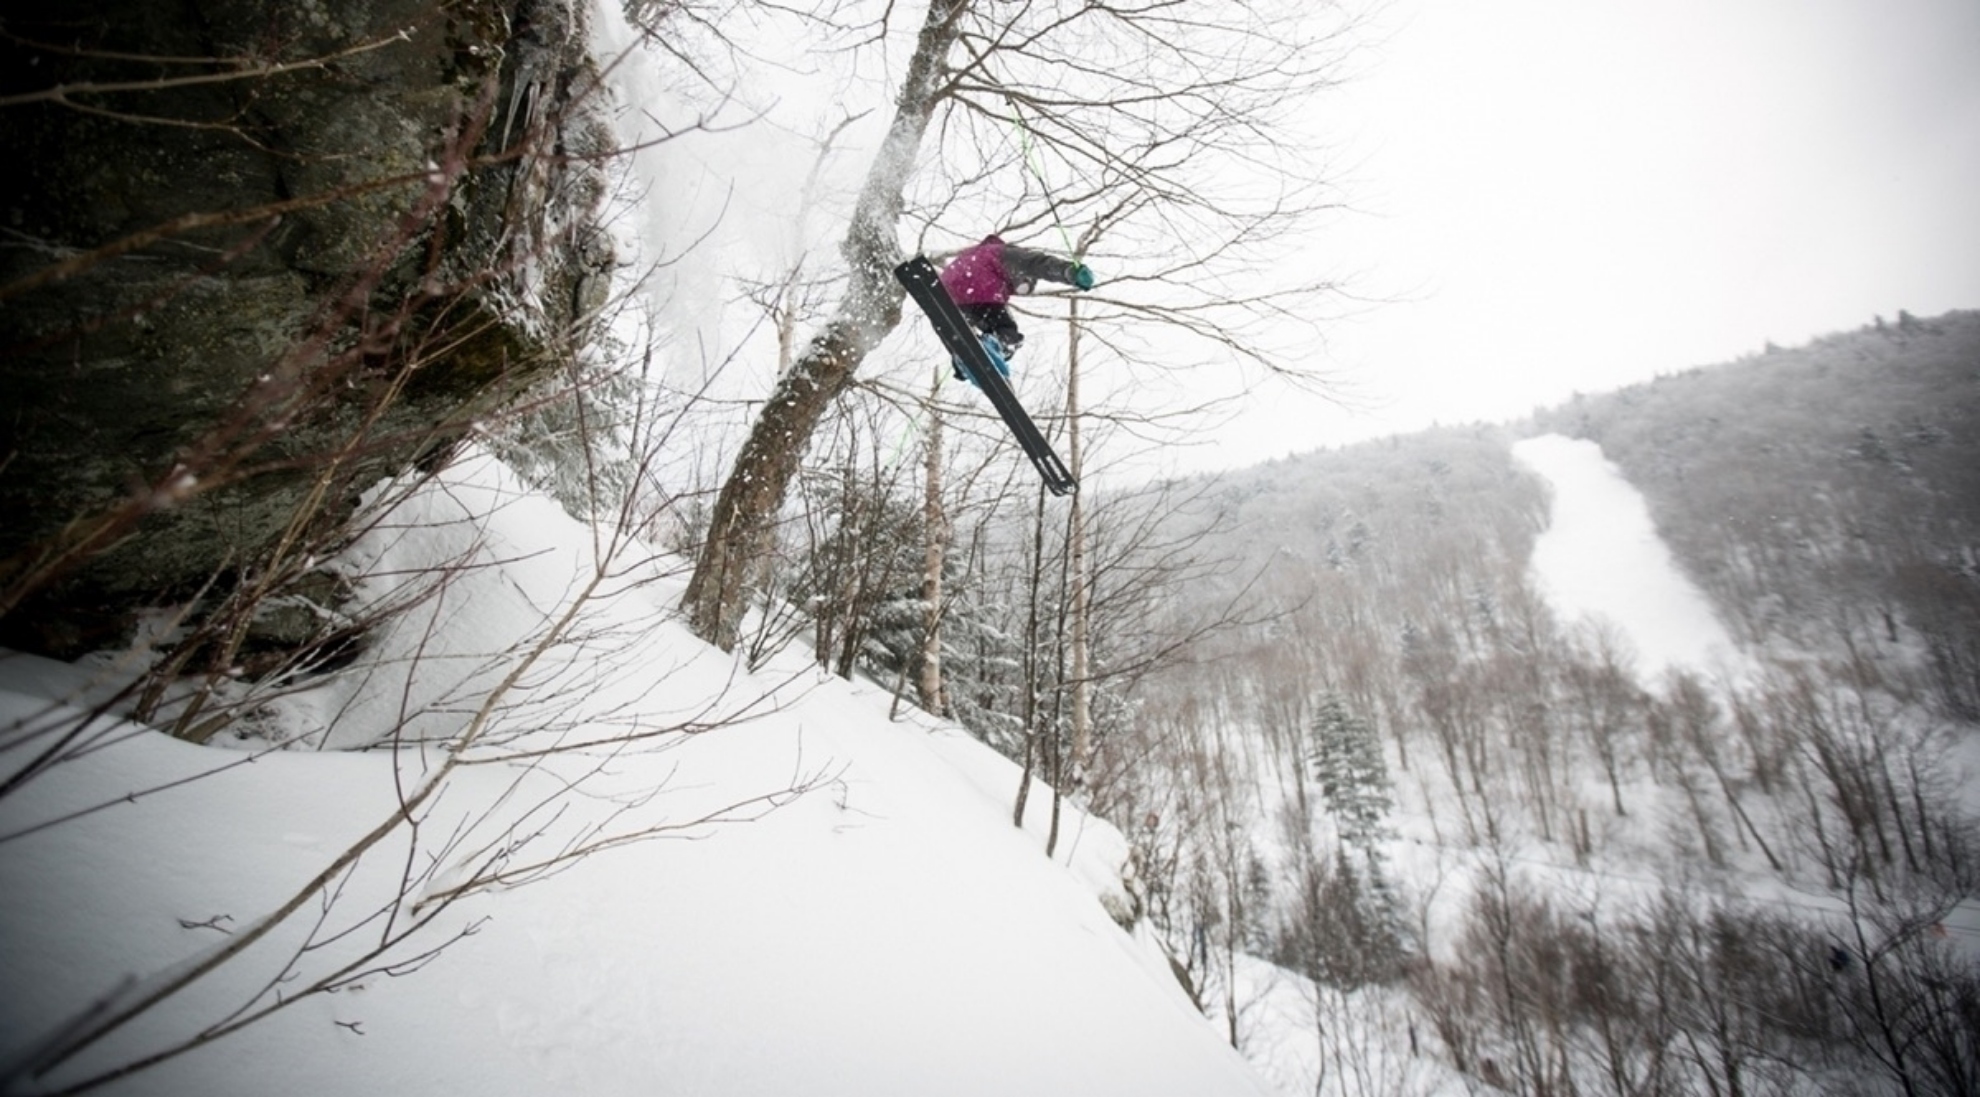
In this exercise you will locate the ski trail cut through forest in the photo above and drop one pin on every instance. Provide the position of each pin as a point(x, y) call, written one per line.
point(1601, 561)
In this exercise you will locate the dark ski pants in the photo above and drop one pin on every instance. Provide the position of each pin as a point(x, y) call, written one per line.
point(996, 320)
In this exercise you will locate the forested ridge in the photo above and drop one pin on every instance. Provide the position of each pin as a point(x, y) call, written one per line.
point(1588, 877)
point(1822, 492)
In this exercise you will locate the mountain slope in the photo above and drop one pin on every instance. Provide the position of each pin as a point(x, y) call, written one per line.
point(1603, 862)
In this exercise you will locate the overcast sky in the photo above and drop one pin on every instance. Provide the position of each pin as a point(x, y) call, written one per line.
point(1571, 196)
point(1551, 196)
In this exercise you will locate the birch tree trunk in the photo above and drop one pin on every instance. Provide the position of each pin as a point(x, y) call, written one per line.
point(740, 529)
point(1082, 689)
point(935, 534)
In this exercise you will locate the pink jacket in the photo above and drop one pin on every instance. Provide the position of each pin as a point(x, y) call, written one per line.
point(990, 272)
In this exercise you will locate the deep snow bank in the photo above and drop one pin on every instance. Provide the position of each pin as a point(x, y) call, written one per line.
point(887, 931)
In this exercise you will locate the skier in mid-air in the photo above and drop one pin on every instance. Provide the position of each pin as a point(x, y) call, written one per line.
point(968, 304)
point(981, 280)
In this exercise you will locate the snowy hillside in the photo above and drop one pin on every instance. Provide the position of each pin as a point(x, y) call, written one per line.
point(804, 897)
point(1504, 795)
point(652, 869)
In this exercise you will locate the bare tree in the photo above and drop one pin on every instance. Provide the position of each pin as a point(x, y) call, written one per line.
point(936, 534)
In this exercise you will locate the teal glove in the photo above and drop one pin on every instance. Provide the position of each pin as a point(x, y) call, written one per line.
point(1082, 276)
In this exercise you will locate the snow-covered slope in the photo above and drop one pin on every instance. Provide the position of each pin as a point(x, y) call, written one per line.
point(884, 930)
point(1601, 562)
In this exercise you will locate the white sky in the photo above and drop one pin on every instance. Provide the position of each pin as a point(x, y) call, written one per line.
point(1568, 196)
point(1550, 196)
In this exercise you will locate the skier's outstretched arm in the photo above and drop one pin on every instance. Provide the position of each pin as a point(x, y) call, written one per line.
point(1030, 265)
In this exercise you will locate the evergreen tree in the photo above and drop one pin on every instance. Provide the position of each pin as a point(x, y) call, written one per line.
point(1353, 779)
point(1344, 926)
point(1347, 925)
point(983, 663)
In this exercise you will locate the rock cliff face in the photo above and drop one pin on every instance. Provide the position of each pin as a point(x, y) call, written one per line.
point(254, 257)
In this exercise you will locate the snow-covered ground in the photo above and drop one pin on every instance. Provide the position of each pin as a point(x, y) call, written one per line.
point(887, 931)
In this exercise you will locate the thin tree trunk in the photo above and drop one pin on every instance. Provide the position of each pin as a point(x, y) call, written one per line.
point(935, 543)
point(1082, 712)
point(1030, 666)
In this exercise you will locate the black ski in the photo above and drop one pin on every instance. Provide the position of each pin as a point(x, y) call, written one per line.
point(925, 286)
